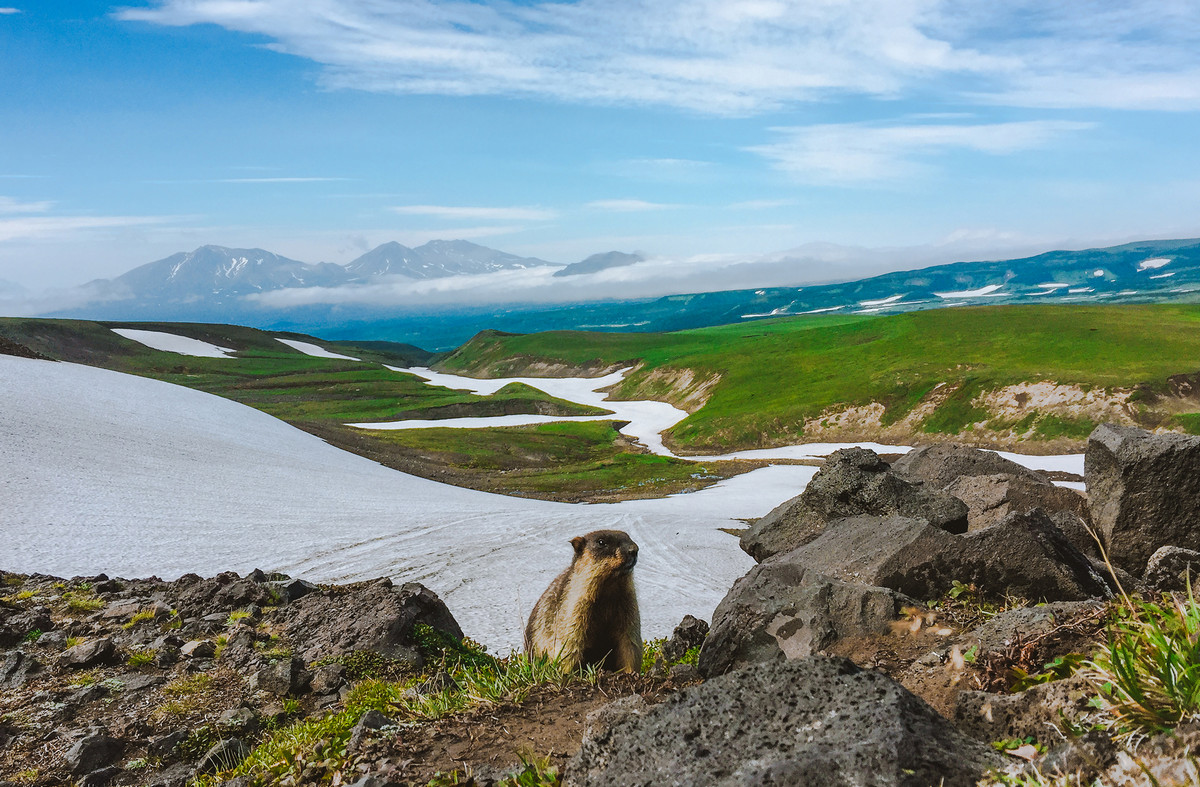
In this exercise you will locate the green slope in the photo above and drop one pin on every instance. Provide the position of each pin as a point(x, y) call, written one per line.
point(776, 375)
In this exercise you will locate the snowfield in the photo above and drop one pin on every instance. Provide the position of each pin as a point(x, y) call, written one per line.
point(102, 471)
point(169, 342)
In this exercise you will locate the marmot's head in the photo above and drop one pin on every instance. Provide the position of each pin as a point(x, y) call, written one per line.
point(612, 549)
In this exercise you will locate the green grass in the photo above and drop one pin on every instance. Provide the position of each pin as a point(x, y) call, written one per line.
point(818, 363)
point(572, 458)
point(1188, 422)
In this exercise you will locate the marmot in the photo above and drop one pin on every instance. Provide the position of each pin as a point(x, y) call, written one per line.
point(589, 614)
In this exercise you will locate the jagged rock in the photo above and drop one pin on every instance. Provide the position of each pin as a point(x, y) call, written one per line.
point(1083, 758)
point(15, 626)
point(991, 498)
point(241, 720)
point(223, 756)
point(690, 633)
point(328, 678)
point(367, 723)
point(603, 718)
point(179, 774)
point(17, 668)
point(819, 722)
point(684, 673)
point(199, 649)
point(1026, 555)
point(1144, 491)
point(92, 753)
point(942, 464)
point(164, 745)
point(1035, 711)
point(782, 611)
point(100, 777)
point(385, 615)
point(89, 654)
point(282, 678)
point(853, 482)
point(292, 589)
point(1173, 569)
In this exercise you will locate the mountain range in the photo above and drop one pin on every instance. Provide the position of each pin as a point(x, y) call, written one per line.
point(211, 283)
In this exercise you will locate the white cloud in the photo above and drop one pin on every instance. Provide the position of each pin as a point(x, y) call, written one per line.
point(732, 56)
point(8, 205)
point(278, 180)
point(860, 153)
point(476, 213)
point(10, 10)
point(45, 226)
point(628, 205)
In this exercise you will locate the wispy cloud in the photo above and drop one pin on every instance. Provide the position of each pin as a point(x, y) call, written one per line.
point(8, 205)
point(10, 10)
point(732, 56)
point(278, 180)
point(477, 213)
point(27, 227)
point(761, 204)
point(861, 153)
point(628, 205)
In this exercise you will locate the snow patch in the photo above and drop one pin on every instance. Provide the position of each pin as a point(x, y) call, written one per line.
point(1155, 262)
point(169, 342)
point(1166, 275)
point(316, 351)
point(881, 301)
point(979, 293)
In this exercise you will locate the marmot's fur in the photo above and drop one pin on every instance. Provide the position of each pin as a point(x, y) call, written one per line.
point(589, 614)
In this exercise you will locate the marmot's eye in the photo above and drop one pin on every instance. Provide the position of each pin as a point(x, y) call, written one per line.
point(600, 542)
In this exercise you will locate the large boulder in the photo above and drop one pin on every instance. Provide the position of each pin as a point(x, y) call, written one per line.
point(819, 722)
point(853, 482)
point(991, 498)
point(1144, 491)
point(376, 616)
point(942, 464)
point(782, 611)
point(1025, 555)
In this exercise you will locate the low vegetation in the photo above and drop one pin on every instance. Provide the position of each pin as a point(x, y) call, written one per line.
point(821, 365)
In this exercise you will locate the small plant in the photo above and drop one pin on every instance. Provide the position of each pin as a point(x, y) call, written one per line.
point(234, 617)
point(1061, 667)
point(140, 616)
point(32, 635)
point(137, 765)
point(174, 623)
point(291, 706)
point(88, 678)
point(73, 641)
point(27, 776)
point(185, 687)
point(1149, 670)
point(81, 602)
point(222, 641)
point(141, 658)
point(25, 595)
point(13, 579)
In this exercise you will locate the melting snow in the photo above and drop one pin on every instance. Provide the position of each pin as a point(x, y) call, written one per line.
point(1156, 262)
point(881, 301)
point(826, 309)
point(1053, 286)
point(1075, 290)
point(1166, 275)
point(316, 351)
point(1098, 272)
point(979, 293)
point(169, 342)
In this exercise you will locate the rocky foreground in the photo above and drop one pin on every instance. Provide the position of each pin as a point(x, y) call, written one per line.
point(917, 623)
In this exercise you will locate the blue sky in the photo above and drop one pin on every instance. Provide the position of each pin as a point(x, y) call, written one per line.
point(321, 128)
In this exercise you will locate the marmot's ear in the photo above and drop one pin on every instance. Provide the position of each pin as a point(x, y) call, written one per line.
point(578, 542)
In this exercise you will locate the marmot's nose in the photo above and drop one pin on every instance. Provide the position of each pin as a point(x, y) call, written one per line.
point(631, 556)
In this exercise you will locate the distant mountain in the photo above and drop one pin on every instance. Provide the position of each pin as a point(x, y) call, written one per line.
point(218, 272)
point(436, 259)
point(600, 262)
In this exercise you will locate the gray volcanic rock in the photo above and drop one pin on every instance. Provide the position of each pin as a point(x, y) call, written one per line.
point(93, 752)
point(853, 481)
point(1035, 711)
point(1025, 555)
point(690, 633)
point(781, 611)
point(819, 722)
point(942, 464)
point(383, 621)
point(1172, 569)
point(1144, 491)
point(991, 498)
point(89, 654)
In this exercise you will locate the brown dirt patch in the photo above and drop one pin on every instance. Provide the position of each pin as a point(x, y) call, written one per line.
point(550, 723)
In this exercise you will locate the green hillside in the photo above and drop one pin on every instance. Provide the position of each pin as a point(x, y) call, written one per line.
point(775, 382)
